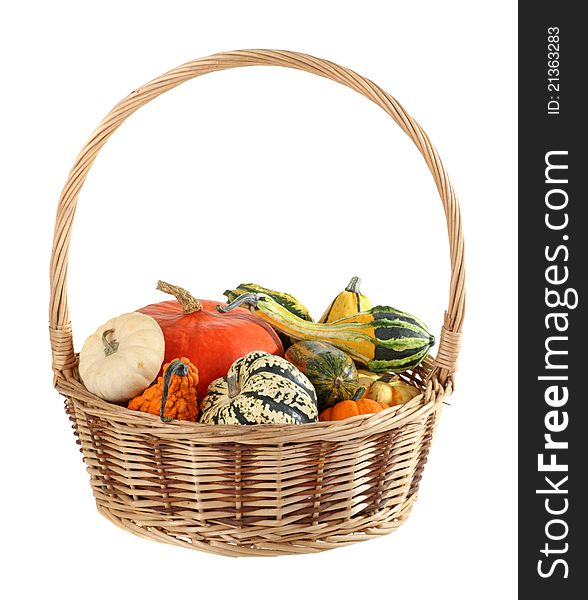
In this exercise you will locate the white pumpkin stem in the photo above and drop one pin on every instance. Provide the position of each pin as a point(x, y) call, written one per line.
point(110, 346)
point(184, 297)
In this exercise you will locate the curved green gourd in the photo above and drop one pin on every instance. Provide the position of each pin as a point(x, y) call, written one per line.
point(382, 338)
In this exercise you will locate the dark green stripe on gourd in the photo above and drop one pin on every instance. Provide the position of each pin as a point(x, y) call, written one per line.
point(403, 340)
point(387, 313)
point(269, 374)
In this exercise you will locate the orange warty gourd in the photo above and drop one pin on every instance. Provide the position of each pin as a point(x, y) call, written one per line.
point(212, 341)
point(179, 400)
point(351, 408)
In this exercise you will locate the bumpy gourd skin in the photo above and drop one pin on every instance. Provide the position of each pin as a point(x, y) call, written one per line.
point(181, 399)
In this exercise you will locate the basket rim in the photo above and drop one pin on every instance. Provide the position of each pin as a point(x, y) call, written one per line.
point(411, 412)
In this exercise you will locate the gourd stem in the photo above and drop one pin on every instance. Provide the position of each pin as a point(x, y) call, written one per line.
point(184, 297)
point(359, 392)
point(338, 382)
point(389, 378)
point(176, 367)
point(248, 298)
point(353, 285)
point(233, 389)
point(110, 347)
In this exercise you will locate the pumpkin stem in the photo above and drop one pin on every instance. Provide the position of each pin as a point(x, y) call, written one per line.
point(359, 392)
point(338, 382)
point(110, 346)
point(248, 298)
point(184, 297)
point(233, 389)
point(353, 285)
point(176, 367)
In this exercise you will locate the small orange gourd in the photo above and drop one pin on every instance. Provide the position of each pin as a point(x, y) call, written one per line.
point(358, 405)
point(174, 395)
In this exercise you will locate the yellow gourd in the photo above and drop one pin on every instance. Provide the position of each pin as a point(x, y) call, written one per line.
point(392, 392)
point(366, 378)
point(349, 302)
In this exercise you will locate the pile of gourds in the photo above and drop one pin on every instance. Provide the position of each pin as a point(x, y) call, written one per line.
point(260, 358)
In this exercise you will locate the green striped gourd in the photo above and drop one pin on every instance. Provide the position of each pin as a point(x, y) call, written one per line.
point(331, 371)
point(382, 338)
point(286, 300)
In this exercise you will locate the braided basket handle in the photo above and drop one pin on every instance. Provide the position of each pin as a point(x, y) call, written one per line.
point(64, 357)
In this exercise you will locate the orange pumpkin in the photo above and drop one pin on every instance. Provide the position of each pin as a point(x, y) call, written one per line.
point(179, 400)
point(351, 408)
point(212, 340)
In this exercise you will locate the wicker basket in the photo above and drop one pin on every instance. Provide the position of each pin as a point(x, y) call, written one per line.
point(256, 490)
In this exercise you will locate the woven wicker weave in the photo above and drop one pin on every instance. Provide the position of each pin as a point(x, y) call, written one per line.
point(257, 490)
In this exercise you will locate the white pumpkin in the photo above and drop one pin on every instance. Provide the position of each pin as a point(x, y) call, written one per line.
point(122, 357)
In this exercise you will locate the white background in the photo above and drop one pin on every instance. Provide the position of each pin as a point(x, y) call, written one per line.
point(278, 177)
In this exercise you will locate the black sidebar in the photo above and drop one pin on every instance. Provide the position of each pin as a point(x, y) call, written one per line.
point(553, 269)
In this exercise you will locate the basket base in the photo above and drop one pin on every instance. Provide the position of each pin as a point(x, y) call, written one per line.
point(256, 491)
point(264, 546)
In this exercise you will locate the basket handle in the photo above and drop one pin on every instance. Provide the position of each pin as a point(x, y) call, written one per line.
point(64, 357)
